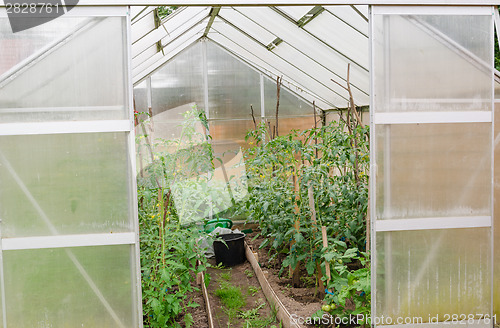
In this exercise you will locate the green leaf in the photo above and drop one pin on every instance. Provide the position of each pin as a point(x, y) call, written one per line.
point(329, 256)
point(310, 266)
point(188, 320)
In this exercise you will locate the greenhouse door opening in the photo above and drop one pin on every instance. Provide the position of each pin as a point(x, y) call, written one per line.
point(432, 159)
point(69, 245)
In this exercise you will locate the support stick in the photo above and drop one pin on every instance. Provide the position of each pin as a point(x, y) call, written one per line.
point(327, 265)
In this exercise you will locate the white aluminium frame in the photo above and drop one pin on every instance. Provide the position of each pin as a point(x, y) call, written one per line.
point(383, 118)
point(125, 126)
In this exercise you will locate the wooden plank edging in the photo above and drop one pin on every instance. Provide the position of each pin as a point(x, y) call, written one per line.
point(281, 312)
point(201, 281)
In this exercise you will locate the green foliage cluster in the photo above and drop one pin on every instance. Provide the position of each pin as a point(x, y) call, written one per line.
point(168, 262)
point(329, 164)
point(169, 251)
point(349, 286)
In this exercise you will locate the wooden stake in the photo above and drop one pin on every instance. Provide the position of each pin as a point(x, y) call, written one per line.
point(278, 89)
point(312, 206)
point(327, 265)
point(367, 247)
point(295, 273)
point(253, 118)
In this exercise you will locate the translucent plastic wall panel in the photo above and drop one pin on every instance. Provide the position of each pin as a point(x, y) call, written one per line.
point(228, 138)
point(81, 78)
point(432, 149)
point(179, 84)
point(350, 16)
point(343, 38)
point(496, 211)
point(64, 183)
point(141, 97)
point(245, 23)
point(287, 124)
point(432, 63)
point(433, 170)
point(20, 46)
point(232, 85)
point(432, 273)
point(290, 104)
point(334, 116)
point(296, 12)
point(52, 287)
point(229, 135)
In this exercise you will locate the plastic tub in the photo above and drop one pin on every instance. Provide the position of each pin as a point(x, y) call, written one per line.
point(233, 253)
point(212, 224)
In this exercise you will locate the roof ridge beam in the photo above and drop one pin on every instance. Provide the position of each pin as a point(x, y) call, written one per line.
point(213, 13)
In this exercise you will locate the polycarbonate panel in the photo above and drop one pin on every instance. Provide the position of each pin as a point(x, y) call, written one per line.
point(228, 137)
point(82, 78)
point(143, 24)
point(295, 12)
point(341, 37)
point(179, 84)
point(141, 98)
point(287, 124)
point(289, 105)
point(258, 62)
point(433, 275)
point(65, 184)
point(328, 63)
point(433, 170)
point(175, 26)
point(155, 62)
point(185, 16)
point(234, 39)
point(350, 16)
point(432, 64)
point(323, 77)
point(232, 85)
point(449, 70)
point(496, 211)
point(248, 24)
point(17, 47)
point(363, 10)
point(72, 287)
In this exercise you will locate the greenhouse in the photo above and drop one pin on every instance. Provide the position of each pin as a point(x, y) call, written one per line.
point(351, 143)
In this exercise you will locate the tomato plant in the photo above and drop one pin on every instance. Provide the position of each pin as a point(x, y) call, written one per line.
point(330, 165)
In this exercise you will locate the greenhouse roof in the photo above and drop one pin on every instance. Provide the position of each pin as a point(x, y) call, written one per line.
point(310, 46)
point(288, 41)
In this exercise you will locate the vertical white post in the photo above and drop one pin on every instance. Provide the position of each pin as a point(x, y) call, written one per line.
point(136, 253)
point(262, 98)
point(205, 77)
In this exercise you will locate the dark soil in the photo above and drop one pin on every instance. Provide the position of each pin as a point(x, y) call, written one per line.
point(300, 301)
point(241, 276)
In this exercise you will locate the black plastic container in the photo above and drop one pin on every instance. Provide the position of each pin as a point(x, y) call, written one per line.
point(233, 253)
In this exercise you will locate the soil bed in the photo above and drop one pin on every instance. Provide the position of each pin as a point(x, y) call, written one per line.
point(300, 301)
point(241, 277)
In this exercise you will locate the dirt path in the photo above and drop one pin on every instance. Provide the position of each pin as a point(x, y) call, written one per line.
point(254, 312)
